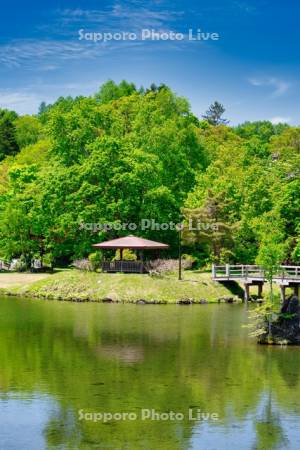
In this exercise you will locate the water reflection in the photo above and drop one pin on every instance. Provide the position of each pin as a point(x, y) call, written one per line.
point(60, 358)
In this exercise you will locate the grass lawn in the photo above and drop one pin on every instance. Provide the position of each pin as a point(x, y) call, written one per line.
point(127, 288)
point(11, 280)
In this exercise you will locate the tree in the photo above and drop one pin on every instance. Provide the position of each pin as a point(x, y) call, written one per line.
point(296, 250)
point(154, 88)
point(214, 114)
point(17, 226)
point(111, 91)
point(264, 130)
point(43, 108)
point(208, 225)
point(127, 155)
point(131, 158)
point(8, 141)
point(28, 130)
point(272, 251)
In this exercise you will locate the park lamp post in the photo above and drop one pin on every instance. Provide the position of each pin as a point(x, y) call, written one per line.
point(179, 227)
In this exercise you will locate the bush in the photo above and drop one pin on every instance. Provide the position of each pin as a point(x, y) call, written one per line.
point(189, 260)
point(167, 265)
point(82, 264)
point(95, 259)
point(18, 265)
point(48, 260)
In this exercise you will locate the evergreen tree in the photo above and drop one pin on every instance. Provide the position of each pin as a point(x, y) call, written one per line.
point(8, 141)
point(214, 114)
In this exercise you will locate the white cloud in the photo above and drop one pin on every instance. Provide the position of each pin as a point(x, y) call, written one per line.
point(27, 99)
point(48, 67)
point(23, 102)
point(279, 119)
point(78, 15)
point(122, 16)
point(19, 52)
point(47, 54)
point(245, 7)
point(130, 15)
point(143, 17)
point(278, 86)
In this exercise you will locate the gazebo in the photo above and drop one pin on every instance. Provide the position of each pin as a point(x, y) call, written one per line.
point(132, 243)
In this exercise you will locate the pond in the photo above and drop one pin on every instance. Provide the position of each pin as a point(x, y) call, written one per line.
point(84, 376)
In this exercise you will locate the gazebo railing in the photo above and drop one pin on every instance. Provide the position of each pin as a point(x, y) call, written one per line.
point(124, 266)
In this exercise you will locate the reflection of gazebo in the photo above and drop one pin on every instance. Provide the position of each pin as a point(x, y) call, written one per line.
point(131, 243)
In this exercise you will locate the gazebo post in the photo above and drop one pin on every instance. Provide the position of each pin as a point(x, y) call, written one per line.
point(121, 259)
point(142, 260)
point(179, 256)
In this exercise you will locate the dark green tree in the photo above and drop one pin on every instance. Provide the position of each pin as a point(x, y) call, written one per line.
point(43, 108)
point(214, 114)
point(8, 140)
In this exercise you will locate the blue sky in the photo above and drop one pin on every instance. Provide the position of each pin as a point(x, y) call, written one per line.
point(253, 68)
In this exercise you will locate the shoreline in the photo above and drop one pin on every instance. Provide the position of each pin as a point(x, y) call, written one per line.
point(77, 286)
point(228, 300)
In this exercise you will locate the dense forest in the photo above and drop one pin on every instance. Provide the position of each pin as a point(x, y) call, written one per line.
point(124, 155)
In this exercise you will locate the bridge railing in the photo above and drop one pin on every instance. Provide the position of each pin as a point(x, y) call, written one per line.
point(229, 271)
point(289, 272)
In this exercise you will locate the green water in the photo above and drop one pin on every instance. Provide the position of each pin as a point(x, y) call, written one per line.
point(60, 358)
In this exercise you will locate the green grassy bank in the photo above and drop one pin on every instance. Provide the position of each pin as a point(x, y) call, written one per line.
point(75, 285)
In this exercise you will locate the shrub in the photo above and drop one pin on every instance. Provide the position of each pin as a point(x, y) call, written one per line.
point(82, 264)
point(95, 259)
point(128, 255)
point(167, 265)
point(189, 260)
point(19, 265)
point(48, 259)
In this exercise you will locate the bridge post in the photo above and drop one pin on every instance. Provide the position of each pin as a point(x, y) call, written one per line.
point(213, 271)
point(282, 293)
point(247, 293)
point(228, 270)
point(296, 290)
point(260, 289)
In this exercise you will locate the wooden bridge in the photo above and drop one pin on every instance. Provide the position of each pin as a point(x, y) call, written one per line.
point(287, 276)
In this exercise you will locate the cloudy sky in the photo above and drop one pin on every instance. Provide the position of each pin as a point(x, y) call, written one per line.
point(253, 68)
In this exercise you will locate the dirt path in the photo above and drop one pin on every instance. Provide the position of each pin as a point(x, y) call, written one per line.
point(20, 279)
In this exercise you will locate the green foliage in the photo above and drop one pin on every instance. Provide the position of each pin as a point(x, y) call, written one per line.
point(272, 248)
point(125, 155)
point(110, 91)
point(43, 108)
point(261, 317)
point(296, 250)
point(189, 259)
point(28, 130)
point(8, 138)
point(128, 255)
point(209, 226)
point(257, 174)
point(96, 259)
point(214, 114)
point(21, 265)
point(48, 259)
point(262, 130)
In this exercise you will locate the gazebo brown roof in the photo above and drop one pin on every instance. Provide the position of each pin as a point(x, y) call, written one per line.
point(131, 242)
